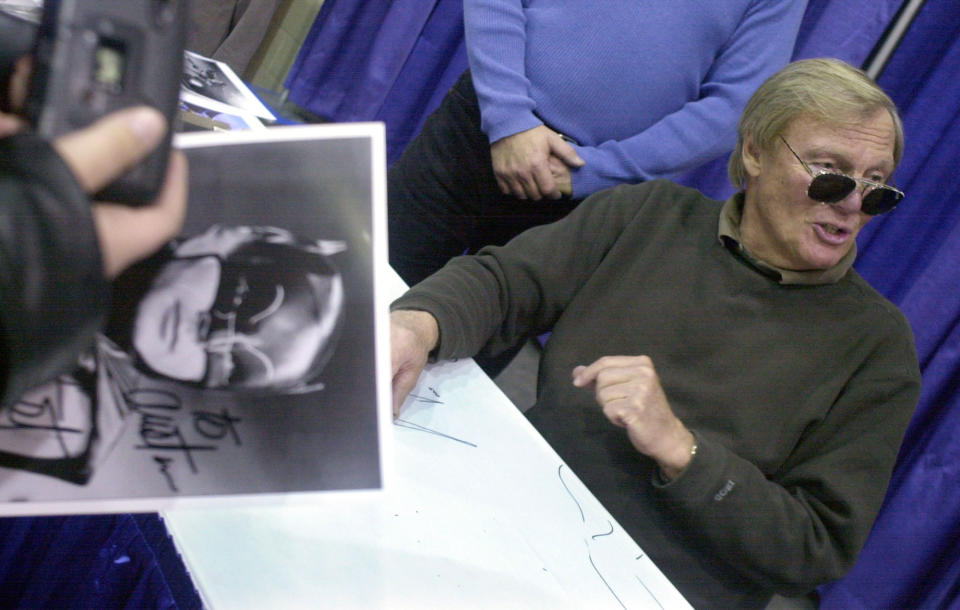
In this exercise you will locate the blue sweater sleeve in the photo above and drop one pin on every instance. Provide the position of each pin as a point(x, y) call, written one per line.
point(495, 32)
point(704, 128)
point(587, 70)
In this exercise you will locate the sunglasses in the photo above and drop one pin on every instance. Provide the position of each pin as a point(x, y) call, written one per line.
point(830, 187)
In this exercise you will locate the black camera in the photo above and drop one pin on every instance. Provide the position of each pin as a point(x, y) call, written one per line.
point(92, 57)
point(18, 28)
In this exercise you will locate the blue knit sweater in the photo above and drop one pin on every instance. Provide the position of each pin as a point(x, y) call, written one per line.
point(647, 88)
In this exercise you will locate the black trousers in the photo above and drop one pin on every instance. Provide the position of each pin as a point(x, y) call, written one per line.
point(442, 197)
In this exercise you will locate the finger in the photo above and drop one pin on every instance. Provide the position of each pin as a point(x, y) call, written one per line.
point(529, 179)
point(403, 384)
point(577, 370)
point(584, 375)
point(620, 404)
point(561, 176)
point(128, 234)
point(532, 190)
point(613, 376)
point(103, 151)
point(615, 413)
point(590, 373)
point(546, 185)
point(516, 188)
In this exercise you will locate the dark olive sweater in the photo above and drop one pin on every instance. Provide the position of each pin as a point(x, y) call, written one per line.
point(798, 387)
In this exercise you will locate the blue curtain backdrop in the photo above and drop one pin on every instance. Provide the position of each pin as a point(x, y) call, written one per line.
point(912, 559)
point(380, 61)
point(845, 29)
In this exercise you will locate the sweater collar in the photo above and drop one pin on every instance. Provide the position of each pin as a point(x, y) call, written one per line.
point(729, 236)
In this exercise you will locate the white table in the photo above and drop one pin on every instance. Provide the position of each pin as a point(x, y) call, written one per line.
point(481, 513)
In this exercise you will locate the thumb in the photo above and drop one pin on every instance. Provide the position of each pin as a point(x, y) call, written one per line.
point(579, 379)
point(403, 383)
point(103, 151)
point(128, 234)
point(565, 152)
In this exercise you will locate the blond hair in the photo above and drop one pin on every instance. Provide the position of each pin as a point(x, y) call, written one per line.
point(827, 90)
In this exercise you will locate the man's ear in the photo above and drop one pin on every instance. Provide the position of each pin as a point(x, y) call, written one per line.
point(751, 157)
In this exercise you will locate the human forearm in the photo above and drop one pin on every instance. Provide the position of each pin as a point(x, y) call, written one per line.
point(413, 335)
point(457, 298)
point(774, 537)
point(690, 131)
point(699, 133)
point(803, 523)
point(418, 328)
point(503, 294)
point(495, 33)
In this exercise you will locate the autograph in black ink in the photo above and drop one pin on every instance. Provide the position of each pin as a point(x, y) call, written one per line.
point(42, 415)
point(402, 423)
point(160, 432)
point(427, 399)
point(164, 464)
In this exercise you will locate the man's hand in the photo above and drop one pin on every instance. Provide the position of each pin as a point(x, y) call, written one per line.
point(628, 389)
point(561, 176)
point(413, 335)
point(523, 168)
point(102, 152)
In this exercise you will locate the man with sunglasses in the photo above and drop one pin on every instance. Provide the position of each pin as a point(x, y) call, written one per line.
point(718, 374)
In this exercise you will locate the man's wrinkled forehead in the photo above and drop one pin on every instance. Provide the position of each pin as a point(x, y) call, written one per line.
point(874, 127)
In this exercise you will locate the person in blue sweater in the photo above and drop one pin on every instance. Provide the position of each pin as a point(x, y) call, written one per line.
point(565, 98)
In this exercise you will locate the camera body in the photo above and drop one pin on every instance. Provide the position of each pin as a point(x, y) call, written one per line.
point(18, 28)
point(92, 57)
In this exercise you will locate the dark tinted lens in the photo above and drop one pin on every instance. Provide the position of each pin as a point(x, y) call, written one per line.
point(830, 188)
point(880, 200)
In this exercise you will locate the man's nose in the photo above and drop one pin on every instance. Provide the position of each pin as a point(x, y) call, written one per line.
point(853, 202)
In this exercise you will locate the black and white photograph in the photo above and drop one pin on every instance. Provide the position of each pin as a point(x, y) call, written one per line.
point(198, 113)
point(217, 81)
point(242, 359)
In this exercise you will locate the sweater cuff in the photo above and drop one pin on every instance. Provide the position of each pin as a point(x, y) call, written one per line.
point(433, 356)
point(704, 479)
point(595, 175)
point(498, 125)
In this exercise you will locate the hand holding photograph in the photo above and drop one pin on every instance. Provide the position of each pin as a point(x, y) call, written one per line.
point(240, 361)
